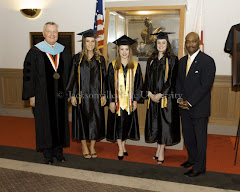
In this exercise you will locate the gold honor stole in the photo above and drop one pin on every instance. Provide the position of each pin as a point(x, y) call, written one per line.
point(79, 78)
point(164, 98)
point(124, 94)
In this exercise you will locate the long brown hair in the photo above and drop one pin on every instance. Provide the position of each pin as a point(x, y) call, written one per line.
point(168, 53)
point(118, 59)
point(84, 51)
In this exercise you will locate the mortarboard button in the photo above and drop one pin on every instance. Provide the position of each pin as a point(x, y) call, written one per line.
point(88, 33)
point(124, 40)
point(162, 35)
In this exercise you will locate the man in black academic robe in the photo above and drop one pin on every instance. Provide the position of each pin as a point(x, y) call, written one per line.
point(45, 76)
point(196, 73)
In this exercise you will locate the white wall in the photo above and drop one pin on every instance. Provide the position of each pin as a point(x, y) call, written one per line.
point(71, 16)
point(219, 16)
point(78, 15)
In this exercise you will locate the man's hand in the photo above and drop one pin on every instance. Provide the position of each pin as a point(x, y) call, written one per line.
point(104, 100)
point(112, 107)
point(74, 101)
point(180, 101)
point(32, 101)
point(134, 105)
point(184, 105)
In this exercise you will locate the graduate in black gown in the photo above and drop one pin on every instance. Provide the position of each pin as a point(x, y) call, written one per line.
point(162, 118)
point(45, 76)
point(124, 84)
point(87, 87)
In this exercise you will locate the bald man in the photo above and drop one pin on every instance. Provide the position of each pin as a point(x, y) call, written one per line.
point(196, 73)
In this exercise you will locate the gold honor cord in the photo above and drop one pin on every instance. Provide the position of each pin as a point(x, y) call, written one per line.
point(148, 103)
point(116, 89)
point(164, 98)
point(166, 71)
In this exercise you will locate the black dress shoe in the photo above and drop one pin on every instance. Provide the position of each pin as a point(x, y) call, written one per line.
point(120, 157)
point(186, 164)
point(125, 153)
point(61, 159)
point(48, 161)
point(193, 173)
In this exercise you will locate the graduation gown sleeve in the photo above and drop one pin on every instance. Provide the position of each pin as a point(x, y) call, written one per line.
point(138, 85)
point(146, 87)
point(174, 76)
point(67, 60)
point(229, 42)
point(29, 75)
point(110, 81)
point(72, 86)
point(104, 79)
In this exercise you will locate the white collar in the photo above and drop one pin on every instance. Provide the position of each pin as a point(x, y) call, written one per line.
point(194, 55)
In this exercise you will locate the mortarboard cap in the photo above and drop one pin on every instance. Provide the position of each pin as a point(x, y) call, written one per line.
point(88, 33)
point(124, 40)
point(162, 35)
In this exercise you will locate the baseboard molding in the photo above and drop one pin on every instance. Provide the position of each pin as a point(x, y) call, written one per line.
point(222, 130)
point(16, 112)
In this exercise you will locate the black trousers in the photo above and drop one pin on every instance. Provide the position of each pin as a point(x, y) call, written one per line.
point(195, 137)
point(53, 152)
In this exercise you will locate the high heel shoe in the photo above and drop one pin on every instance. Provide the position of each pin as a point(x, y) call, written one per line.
point(125, 153)
point(93, 155)
point(120, 157)
point(87, 156)
point(160, 162)
point(155, 157)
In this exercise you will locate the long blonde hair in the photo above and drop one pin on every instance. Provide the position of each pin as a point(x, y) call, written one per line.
point(118, 59)
point(84, 51)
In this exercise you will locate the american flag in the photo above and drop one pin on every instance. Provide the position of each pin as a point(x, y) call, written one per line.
point(99, 23)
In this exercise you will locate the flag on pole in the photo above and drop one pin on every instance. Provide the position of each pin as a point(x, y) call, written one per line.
point(99, 23)
point(199, 23)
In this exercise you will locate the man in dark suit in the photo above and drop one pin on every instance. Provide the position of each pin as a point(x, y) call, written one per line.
point(196, 73)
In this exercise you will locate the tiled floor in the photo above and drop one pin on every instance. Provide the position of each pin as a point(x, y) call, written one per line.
point(20, 176)
point(22, 181)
